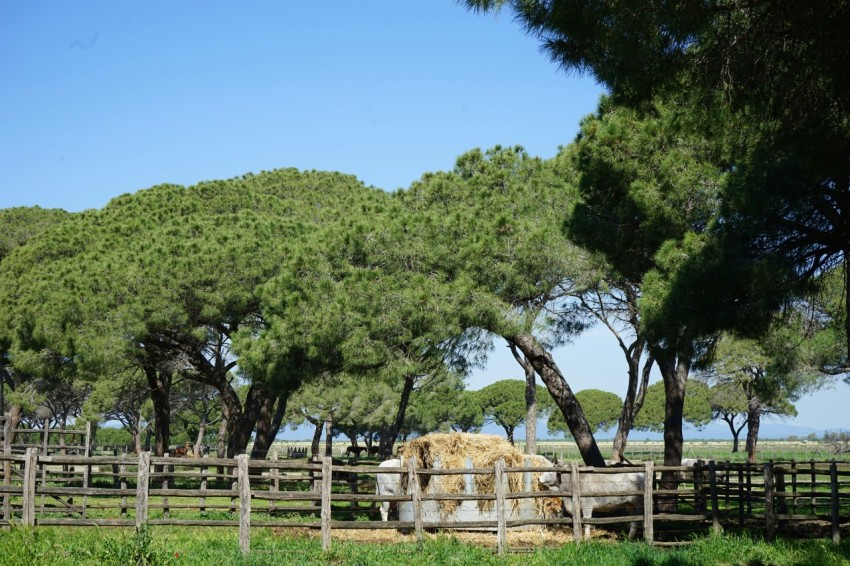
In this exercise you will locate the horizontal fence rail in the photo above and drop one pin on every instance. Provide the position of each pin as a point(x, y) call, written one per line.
point(791, 498)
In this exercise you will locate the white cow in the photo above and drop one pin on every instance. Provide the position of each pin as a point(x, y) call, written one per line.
point(388, 484)
point(601, 483)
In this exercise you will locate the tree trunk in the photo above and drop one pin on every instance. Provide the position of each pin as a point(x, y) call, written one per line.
point(221, 442)
point(62, 426)
point(317, 438)
point(674, 372)
point(148, 435)
point(530, 401)
point(137, 442)
point(214, 372)
point(563, 396)
point(15, 411)
point(385, 448)
point(199, 439)
point(329, 440)
point(263, 427)
point(633, 402)
point(160, 386)
point(351, 433)
point(233, 407)
point(265, 437)
point(753, 423)
point(14, 421)
point(847, 302)
point(258, 400)
point(736, 431)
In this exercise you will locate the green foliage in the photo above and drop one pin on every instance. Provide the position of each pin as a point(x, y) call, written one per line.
point(751, 378)
point(650, 191)
point(347, 301)
point(771, 373)
point(517, 258)
point(602, 409)
point(23, 546)
point(766, 83)
point(108, 436)
point(166, 258)
point(136, 549)
point(827, 342)
point(503, 402)
point(167, 278)
point(697, 408)
point(442, 406)
point(19, 225)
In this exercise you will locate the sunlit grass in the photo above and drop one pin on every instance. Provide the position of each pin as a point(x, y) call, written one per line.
point(169, 545)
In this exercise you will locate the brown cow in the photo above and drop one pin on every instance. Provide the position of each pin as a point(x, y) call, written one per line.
point(183, 451)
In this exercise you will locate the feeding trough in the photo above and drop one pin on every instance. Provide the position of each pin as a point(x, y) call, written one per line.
point(468, 451)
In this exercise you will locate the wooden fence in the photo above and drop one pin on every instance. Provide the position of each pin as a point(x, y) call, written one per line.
point(46, 440)
point(75, 490)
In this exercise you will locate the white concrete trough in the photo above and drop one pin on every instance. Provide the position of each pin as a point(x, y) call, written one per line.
point(467, 511)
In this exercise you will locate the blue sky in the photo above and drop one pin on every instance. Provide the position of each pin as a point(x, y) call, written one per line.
point(104, 98)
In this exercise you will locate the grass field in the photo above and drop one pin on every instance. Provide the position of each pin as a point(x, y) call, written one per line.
point(185, 546)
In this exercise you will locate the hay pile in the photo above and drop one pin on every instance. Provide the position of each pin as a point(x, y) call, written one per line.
point(452, 451)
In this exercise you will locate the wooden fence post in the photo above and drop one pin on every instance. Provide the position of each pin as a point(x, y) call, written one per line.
point(87, 448)
point(415, 497)
point(244, 484)
point(501, 512)
point(794, 485)
point(234, 487)
point(740, 493)
point(327, 471)
point(274, 484)
point(576, 497)
point(45, 440)
point(649, 481)
point(142, 489)
point(116, 472)
point(7, 466)
point(770, 526)
point(780, 501)
point(44, 477)
point(164, 485)
point(712, 487)
point(202, 500)
point(30, 467)
point(122, 472)
point(833, 485)
point(813, 487)
point(87, 469)
point(699, 486)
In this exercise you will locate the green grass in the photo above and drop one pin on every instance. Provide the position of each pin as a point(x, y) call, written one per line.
point(179, 546)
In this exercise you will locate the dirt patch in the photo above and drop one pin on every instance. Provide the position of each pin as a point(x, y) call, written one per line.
point(517, 540)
